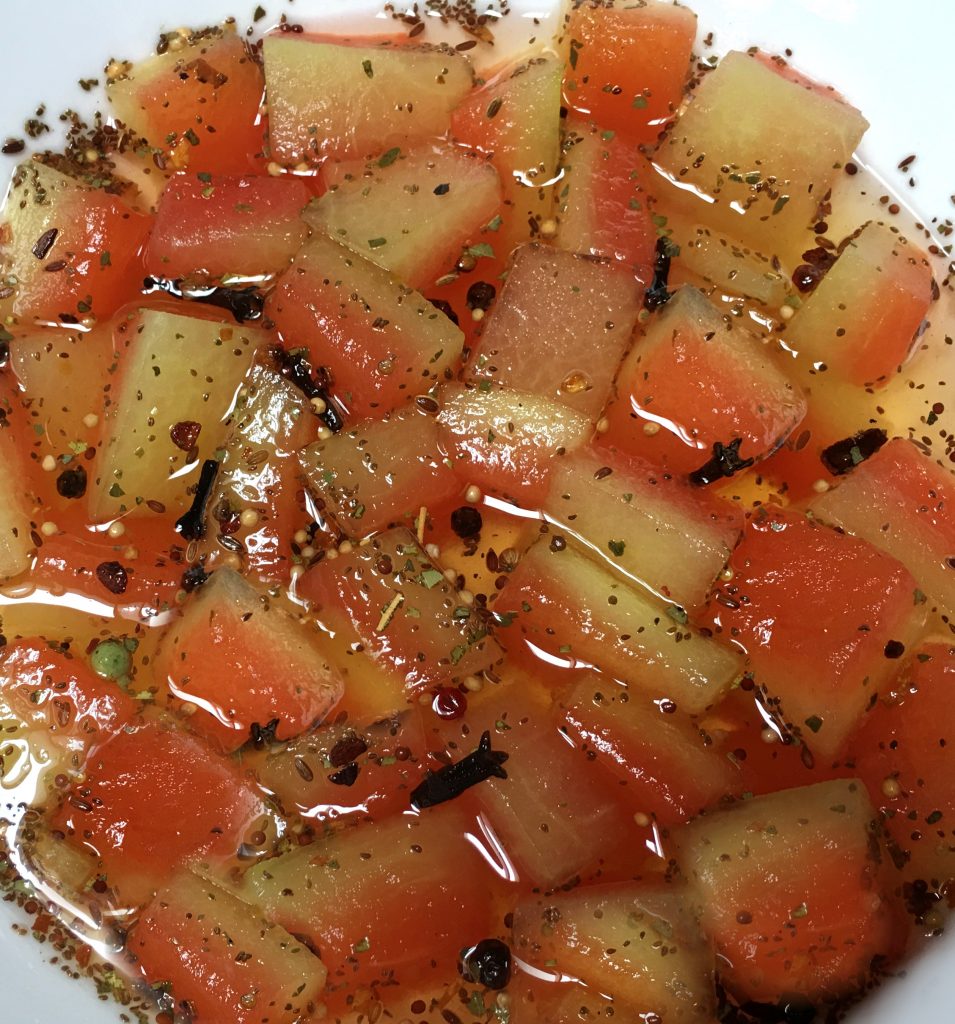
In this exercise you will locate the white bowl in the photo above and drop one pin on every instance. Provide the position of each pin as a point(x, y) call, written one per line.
point(887, 58)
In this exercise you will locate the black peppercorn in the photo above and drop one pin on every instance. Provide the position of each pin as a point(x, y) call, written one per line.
point(466, 521)
point(481, 295)
point(488, 964)
point(71, 483)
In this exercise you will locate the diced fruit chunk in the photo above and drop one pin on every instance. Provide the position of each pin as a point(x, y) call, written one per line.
point(380, 472)
point(789, 890)
point(348, 100)
point(218, 226)
point(716, 259)
point(670, 772)
point(152, 799)
point(863, 318)
point(658, 530)
point(100, 568)
point(514, 120)
point(162, 355)
point(635, 941)
point(903, 753)
point(553, 824)
point(693, 380)
point(382, 901)
point(382, 342)
point(602, 207)
point(271, 423)
point(54, 690)
point(219, 957)
point(761, 185)
point(628, 64)
point(507, 440)
point(821, 663)
point(408, 616)
point(901, 501)
point(571, 607)
point(75, 251)
point(560, 327)
point(16, 541)
point(199, 104)
point(239, 662)
point(54, 366)
point(345, 770)
point(410, 213)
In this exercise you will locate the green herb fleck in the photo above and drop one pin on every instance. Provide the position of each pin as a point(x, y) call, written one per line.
point(476, 1004)
point(387, 159)
point(617, 547)
point(430, 578)
point(367, 68)
point(814, 722)
point(479, 250)
point(377, 243)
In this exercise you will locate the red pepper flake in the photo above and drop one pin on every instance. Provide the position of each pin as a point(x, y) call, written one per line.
point(346, 776)
point(185, 434)
point(113, 576)
point(347, 749)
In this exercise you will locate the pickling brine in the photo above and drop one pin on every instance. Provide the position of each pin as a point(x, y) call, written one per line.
point(475, 548)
